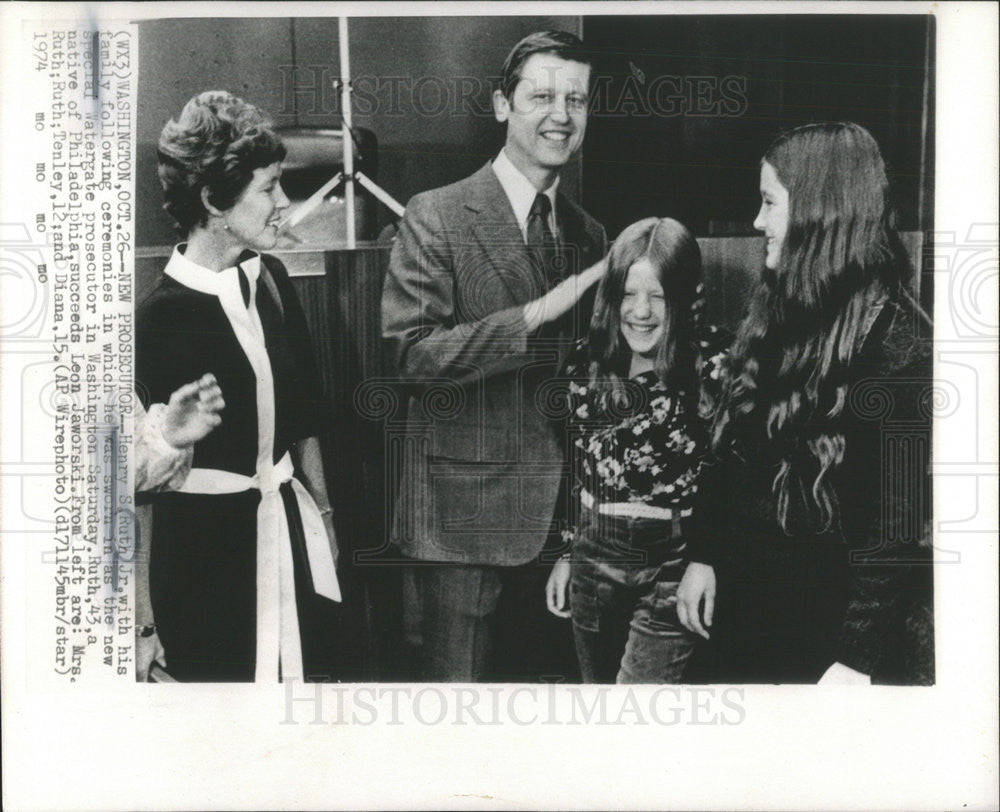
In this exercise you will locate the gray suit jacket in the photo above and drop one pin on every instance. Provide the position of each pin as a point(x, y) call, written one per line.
point(479, 467)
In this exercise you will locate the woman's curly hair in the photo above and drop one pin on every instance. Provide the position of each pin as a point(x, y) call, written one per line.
point(216, 143)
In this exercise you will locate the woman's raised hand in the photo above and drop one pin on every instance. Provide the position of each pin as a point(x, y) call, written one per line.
point(193, 411)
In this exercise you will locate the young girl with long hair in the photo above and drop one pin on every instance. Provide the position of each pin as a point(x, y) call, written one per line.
point(810, 520)
point(636, 444)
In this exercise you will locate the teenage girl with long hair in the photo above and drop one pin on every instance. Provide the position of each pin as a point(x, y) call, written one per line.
point(810, 524)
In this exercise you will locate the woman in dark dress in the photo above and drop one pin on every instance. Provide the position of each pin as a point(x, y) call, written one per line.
point(809, 558)
point(242, 575)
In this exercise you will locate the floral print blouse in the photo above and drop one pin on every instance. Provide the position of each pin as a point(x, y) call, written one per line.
point(648, 447)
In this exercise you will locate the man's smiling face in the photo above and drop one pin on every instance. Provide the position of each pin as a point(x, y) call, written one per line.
point(547, 113)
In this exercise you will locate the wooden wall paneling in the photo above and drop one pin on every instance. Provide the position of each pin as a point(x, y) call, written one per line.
point(343, 310)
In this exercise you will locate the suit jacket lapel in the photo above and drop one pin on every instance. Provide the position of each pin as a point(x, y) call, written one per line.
point(581, 250)
point(576, 244)
point(499, 235)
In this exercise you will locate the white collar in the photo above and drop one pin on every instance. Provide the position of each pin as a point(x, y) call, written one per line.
point(199, 278)
point(521, 191)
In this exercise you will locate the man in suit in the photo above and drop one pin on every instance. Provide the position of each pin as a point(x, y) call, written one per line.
point(481, 301)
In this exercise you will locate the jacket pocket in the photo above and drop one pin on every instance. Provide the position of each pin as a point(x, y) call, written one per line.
point(472, 444)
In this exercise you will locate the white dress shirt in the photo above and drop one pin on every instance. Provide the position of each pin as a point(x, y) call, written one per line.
point(521, 193)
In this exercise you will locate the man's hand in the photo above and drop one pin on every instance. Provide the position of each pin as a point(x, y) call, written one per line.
point(562, 297)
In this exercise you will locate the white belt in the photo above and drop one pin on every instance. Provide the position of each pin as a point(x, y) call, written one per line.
point(278, 638)
point(632, 510)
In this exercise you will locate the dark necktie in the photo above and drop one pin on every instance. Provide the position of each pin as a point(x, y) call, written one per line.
point(244, 285)
point(542, 242)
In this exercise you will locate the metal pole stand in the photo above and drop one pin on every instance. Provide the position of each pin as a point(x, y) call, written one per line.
point(348, 176)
